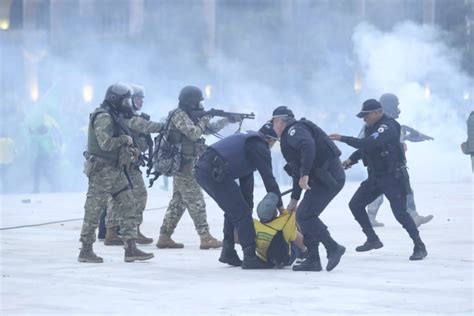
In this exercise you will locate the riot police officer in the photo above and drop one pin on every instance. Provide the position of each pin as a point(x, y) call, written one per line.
point(140, 126)
point(382, 153)
point(186, 131)
point(389, 102)
point(313, 162)
point(108, 155)
point(237, 157)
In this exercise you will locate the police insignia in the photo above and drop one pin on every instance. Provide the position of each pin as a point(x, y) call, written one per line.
point(382, 128)
point(375, 135)
point(291, 132)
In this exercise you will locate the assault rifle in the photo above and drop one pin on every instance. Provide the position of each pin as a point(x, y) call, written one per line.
point(412, 135)
point(237, 117)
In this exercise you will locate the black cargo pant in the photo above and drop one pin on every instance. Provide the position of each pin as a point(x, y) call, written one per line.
point(393, 188)
point(227, 194)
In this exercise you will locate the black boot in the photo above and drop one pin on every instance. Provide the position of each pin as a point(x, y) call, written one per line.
point(251, 261)
point(312, 261)
point(132, 253)
point(419, 252)
point(229, 255)
point(369, 245)
point(333, 249)
point(334, 256)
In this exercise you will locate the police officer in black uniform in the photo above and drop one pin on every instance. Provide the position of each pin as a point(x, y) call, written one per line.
point(237, 157)
point(313, 162)
point(381, 151)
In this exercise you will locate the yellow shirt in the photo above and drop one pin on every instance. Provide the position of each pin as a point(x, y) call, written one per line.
point(286, 223)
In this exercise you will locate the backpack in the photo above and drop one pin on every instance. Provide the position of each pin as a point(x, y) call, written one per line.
point(278, 252)
point(167, 156)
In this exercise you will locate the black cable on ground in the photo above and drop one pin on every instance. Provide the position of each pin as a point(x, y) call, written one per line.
point(66, 220)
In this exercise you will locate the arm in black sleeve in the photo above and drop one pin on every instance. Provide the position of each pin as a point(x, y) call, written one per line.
point(296, 192)
point(383, 134)
point(356, 156)
point(246, 187)
point(259, 153)
point(301, 140)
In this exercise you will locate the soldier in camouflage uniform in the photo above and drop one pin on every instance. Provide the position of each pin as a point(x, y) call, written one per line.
point(140, 127)
point(108, 151)
point(390, 104)
point(186, 192)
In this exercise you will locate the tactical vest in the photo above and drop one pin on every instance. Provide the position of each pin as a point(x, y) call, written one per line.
point(93, 145)
point(232, 150)
point(325, 147)
point(387, 157)
point(174, 136)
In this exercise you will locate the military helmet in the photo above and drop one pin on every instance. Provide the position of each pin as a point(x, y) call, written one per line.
point(267, 208)
point(137, 90)
point(190, 96)
point(117, 92)
point(390, 104)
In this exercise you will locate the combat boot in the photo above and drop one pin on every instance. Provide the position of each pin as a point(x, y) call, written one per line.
point(142, 239)
point(420, 220)
point(419, 252)
point(111, 237)
point(312, 261)
point(251, 261)
point(167, 242)
point(208, 242)
point(369, 245)
point(334, 256)
point(229, 255)
point(88, 255)
point(132, 253)
point(374, 222)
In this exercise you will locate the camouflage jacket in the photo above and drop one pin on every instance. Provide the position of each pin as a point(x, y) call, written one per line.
point(189, 134)
point(139, 127)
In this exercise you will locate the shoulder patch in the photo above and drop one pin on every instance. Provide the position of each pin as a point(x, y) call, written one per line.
point(382, 128)
point(291, 131)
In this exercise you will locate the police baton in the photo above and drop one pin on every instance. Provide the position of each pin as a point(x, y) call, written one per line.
point(286, 192)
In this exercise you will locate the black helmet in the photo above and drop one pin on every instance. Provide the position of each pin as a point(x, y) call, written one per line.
point(190, 96)
point(117, 92)
point(390, 104)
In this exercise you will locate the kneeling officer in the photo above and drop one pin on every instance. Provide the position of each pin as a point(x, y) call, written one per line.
point(237, 157)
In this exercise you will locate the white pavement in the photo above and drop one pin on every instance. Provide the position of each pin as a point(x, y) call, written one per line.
point(40, 274)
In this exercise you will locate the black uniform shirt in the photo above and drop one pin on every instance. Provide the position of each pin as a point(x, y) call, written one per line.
point(299, 149)
point(381, 143)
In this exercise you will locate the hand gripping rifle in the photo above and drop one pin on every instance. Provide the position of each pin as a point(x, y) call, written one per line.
point(232, 116)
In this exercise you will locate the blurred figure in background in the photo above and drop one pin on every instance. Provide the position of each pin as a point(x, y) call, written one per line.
point(468, 146)
point(46, 152)
point(7, 156)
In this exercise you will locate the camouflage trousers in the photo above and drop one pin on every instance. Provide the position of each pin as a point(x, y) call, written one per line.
point(187, 194)
point(108, 182)
point(140, 195)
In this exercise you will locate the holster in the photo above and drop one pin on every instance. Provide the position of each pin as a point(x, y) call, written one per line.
point(325, 177)
point(401, 173)
point(220, 168)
